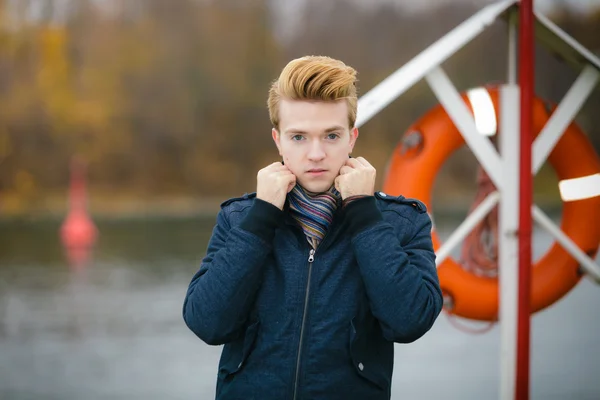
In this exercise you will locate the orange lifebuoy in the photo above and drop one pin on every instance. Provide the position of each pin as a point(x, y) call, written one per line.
point(412, 170)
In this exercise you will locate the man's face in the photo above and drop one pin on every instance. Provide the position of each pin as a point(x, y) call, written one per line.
point(314, 140)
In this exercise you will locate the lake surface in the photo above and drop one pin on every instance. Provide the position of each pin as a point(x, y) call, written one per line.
point(113, 330)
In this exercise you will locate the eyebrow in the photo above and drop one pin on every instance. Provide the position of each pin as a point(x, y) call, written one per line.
point(300, 131)
point(335, 128)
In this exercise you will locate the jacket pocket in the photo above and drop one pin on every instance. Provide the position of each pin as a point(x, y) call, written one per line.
point(366, 355)
point(235, 353)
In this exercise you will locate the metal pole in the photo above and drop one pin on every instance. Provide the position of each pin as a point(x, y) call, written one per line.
point(527, 84)
point(508, 248)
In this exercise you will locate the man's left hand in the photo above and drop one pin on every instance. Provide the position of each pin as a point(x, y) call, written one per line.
point(357, 178)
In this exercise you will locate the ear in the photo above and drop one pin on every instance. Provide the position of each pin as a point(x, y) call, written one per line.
point(353, 137)
point(276, 139)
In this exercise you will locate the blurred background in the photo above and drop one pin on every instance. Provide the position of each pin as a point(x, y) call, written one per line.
point(164, 104)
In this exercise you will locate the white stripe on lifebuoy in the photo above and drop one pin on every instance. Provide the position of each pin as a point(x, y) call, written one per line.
point(483, 111)
point(581, 188)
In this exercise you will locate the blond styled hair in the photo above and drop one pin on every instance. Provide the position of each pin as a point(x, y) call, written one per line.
point(314, 78)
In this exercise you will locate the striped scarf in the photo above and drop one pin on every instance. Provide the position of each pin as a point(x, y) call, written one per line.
point(313, 211)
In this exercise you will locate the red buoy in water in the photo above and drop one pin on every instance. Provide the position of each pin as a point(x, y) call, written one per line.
point(78, 232)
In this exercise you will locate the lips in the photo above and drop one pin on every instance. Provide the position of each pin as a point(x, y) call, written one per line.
point(316, 171)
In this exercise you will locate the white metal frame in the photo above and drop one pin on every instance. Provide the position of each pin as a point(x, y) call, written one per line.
point(458, 112)
point(503, 171)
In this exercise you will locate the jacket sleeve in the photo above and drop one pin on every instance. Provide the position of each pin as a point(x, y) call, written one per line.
point(401, 279)
point(221, 293)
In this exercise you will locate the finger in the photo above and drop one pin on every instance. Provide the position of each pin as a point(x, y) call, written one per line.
point(279, 165)
point(351, 162)
point(271, 168)
point(283, 179)
point(287, 181)
point(364, 162)
point(278, 168)
point(291, 183)
point(283, 172)
point(336, 183)
point(345, 169)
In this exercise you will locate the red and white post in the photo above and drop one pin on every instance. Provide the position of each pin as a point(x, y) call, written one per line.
point(515, 209)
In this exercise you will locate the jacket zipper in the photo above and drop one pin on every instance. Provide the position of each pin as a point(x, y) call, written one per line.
point(311, 259)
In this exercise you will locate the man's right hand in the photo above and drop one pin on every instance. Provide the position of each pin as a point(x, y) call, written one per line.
point(274, 182)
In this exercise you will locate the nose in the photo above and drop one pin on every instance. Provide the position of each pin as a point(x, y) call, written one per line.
point(316, 152)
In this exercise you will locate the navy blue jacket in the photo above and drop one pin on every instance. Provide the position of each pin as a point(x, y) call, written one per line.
point(299, 324)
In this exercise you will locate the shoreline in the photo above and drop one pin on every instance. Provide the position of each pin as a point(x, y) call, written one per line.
point(189, 207)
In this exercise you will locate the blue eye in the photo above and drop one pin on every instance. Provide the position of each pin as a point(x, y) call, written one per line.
point(297, 137)
point(333, 136)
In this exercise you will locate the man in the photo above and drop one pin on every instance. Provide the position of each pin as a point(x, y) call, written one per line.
point(310, 281)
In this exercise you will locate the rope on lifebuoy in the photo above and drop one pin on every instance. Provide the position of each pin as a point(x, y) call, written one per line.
point(479, 254)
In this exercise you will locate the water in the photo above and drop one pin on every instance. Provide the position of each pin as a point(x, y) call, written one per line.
point(114, 330)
